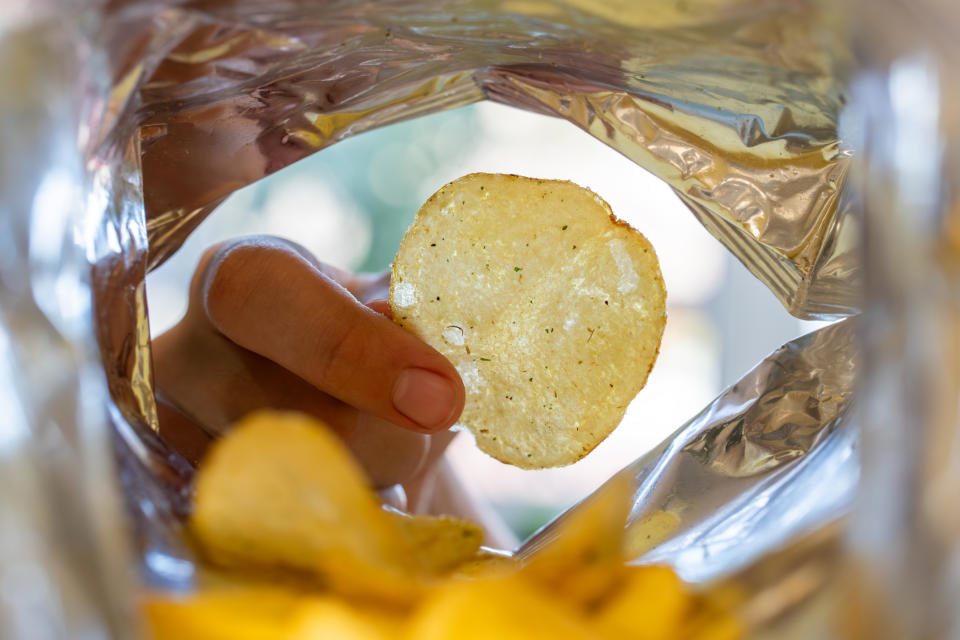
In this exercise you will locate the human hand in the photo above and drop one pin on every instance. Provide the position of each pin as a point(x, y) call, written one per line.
point(270, 326)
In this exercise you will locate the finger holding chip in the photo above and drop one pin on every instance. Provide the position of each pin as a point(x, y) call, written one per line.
point(270, 326)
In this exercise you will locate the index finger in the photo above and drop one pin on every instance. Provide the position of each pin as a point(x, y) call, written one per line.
point(270, 300)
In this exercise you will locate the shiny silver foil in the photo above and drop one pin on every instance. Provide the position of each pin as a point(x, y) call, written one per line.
point(65, 564)
point(771, 459)
point(903, 575)
point(735, 104)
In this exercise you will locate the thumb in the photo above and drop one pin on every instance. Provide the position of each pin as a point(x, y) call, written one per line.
point(267, 298)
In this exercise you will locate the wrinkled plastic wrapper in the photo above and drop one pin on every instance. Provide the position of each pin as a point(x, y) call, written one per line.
point(734, 104)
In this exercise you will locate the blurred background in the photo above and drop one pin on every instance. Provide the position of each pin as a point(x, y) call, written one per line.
point(350, 205)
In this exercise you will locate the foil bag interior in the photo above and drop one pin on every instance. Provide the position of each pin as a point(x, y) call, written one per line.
point(734, 103)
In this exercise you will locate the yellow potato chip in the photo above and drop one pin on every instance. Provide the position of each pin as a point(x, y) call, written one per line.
point(719, 627)
point(440, 543)
point(249, 613)
point(246, 611)
point(281, 490)
point(651, 605)
point(717, 613)
point(281, 498)
point(582, 563)
point(504, 608)
point(321, 618)
point(648, 532)
point(551, 309)
point(488, 563)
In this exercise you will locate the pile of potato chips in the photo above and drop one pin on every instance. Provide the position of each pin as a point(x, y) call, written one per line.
point(300, 548)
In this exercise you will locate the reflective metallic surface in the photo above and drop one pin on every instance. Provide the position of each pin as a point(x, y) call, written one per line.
point(733, 103)
point(65, 567)
point(771, 458)
point(904, 539)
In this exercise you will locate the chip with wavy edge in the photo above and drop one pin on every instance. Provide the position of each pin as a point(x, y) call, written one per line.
point(550, 307)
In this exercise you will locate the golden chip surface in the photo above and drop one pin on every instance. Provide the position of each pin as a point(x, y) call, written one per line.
point(551, 309)
point(440, 543)
point(281, 491)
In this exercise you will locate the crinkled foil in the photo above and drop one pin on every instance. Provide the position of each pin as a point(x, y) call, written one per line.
point(770, 459)
point(903, 578)
point(65, 567)
point(734, 103)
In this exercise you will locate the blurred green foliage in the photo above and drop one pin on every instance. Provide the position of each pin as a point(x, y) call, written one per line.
point(525, 518)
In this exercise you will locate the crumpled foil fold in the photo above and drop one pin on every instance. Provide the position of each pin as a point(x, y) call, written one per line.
point(64, 561)
point(772, 458)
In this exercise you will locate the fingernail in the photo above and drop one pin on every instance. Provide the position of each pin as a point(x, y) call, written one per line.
point(425, 397)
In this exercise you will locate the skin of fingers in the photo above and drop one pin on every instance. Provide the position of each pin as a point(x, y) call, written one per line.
point(389, 454)
point(380, 306)
point(356, 284)
point(274, 303)
point(211, 381)
point(217, 384)
point(372, 286)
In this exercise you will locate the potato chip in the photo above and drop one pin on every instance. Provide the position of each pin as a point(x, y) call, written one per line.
point(261, 612)
point(280, 498)
point(281, 490)
point(322, 618)
point(719, 627)
point(651, 605)
point(582, 562)
point(715, 616)
point(488, 563)
point(649, 532)
point(503, 608)
point(440, 543)
point(248, 613)
point(551, 309)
